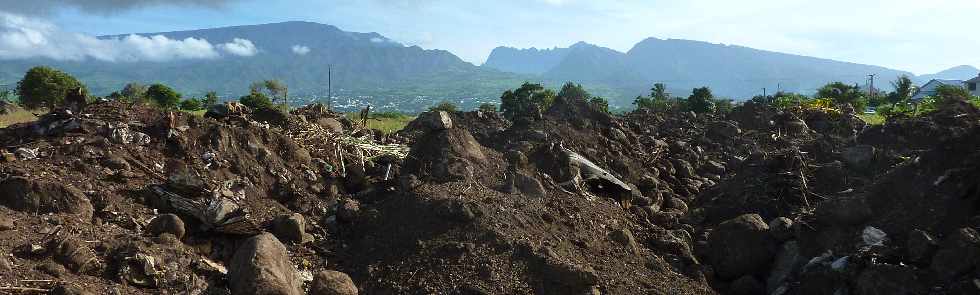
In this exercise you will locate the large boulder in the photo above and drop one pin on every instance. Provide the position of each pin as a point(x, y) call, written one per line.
point(36, 196)
point(330, 282)
point(741, 246)
point(445, 155)
point(261, 266)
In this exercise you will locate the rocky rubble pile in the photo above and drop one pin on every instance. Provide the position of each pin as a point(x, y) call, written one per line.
point(123, 199)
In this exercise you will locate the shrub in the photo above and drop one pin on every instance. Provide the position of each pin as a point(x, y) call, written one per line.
point(444, 106)
point(600, 103)
point(700, 101)
point(163, 96)
point(191, 104)
point(256, 101)
point(45, 87)
point(525, 101)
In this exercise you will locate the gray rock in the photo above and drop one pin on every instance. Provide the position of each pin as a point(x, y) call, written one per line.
point(781, 229)
point(529, 186)
point(330, 124)
point(625, 237)
point(291, 228)
point(723, 130)
point(6, 223)
point(714, 167)
point(741, 246)
point(330, 282)
point(167, 224)
point(921, 246)
point(675, 204)
point(437, 120)
point(51, 268)
point(36, 196)
point(115, 162)
point(618, 135)
point(959, 253)
point(261, 266)
point(684, 168)
point(788, 262)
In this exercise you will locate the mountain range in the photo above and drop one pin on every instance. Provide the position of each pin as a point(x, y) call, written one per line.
point(368, 68)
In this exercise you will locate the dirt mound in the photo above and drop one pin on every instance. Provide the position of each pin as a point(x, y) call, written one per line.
point(128, 199)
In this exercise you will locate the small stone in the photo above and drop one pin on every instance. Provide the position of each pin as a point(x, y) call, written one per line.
point(330, 282)
point(52, 268)
point(781, 229)
point(167, 223)
point(676, 204)
point(291, 228)
point(115, 162)
point(625, 237)
point(6, 223)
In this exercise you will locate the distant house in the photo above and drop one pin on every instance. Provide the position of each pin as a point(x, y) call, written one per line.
point(930, 88)
point(971, 85)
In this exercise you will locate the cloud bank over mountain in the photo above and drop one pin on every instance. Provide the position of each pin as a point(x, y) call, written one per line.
point(23, 37)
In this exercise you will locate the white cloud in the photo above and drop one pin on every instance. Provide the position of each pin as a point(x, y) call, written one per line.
point(239, 47)
point(300, 49)
point(24, 37)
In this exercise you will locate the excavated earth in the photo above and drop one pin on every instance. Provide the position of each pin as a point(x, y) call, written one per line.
point(125, 199)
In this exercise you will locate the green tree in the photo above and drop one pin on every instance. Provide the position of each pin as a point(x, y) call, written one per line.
point(163, 95)
point(210, 99)
point(488, 108)
point(724, 105)
point(256, 101)
point(701, 101)
point(445, 106)
point(659, 92)
point(276, 90)
point(573, 92)
point(45, 87)
point(134, 92)
point(903, 90)
point(600, 103)
point(526, 100)
point(191, 104)
point(842, 93)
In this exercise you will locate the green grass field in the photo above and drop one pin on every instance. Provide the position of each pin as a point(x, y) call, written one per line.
point(20, 116)
point(872, 119)
point(386, 122)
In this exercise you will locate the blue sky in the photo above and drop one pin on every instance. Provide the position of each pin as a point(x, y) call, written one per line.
point(914, 35)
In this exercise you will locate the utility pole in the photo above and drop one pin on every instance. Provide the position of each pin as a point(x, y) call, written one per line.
point(871, 90)
point(329, 86)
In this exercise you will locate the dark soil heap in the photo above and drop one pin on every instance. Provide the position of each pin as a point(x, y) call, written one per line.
point(131, 200)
